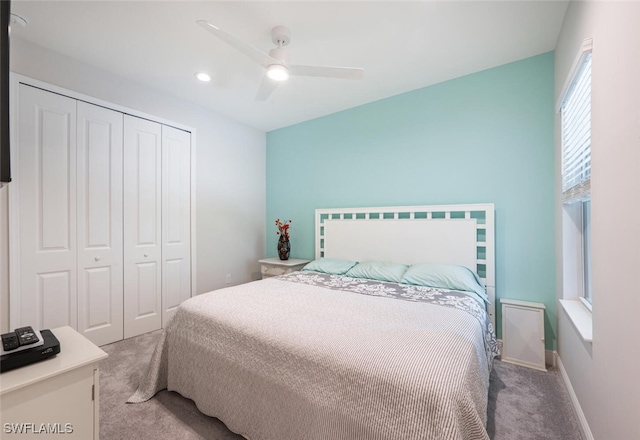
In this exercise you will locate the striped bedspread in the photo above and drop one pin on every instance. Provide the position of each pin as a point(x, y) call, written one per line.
point(318, 357)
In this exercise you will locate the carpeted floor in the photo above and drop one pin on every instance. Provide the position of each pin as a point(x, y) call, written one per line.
point(524, 404)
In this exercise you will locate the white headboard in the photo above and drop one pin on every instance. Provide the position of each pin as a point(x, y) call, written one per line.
point(449, 234)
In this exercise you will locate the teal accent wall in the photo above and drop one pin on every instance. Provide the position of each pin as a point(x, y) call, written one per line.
point(482, 138)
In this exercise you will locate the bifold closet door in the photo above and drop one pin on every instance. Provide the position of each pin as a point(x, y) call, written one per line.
point(103, 216)
point(99, 201)
point(176, 220)
point(142, 226)
point(47, 209)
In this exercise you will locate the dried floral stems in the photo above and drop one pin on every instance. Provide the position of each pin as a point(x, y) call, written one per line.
point(283, 228)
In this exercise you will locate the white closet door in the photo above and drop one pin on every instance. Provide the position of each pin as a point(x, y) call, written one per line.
point(176, 220)
point(47, 209)
point(99, 198)
point(142, 226)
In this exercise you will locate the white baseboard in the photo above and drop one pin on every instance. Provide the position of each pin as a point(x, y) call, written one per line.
point(550, 358)
point(553, 360)
point(582, 420)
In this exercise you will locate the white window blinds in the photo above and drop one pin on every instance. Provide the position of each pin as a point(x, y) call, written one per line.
point(576, 134)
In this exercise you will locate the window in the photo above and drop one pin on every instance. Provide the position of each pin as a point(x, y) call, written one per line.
point(575, 112)
point(586, 246)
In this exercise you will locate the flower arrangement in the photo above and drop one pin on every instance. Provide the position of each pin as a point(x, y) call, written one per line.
point(283, 228)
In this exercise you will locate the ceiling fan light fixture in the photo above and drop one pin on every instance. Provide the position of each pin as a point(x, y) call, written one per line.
point(204, 77)
point(278, 72)
point(276, 62)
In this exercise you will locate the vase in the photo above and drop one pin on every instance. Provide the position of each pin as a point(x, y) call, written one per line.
point(284, 248)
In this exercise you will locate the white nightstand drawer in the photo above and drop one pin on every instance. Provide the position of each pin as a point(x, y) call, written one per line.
point(273, 267)
point(274, 271)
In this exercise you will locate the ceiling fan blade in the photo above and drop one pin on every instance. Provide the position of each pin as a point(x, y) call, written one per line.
point(255, 54)
point(331, 72)
point(266, 88)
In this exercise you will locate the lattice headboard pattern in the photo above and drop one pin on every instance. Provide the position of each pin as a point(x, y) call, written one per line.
point(452, 234)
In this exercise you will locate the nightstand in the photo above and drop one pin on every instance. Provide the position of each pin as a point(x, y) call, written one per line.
point(272, 267)
point(62, 392)
point(523, 333)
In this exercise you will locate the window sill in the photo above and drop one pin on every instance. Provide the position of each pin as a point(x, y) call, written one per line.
point(580, 316)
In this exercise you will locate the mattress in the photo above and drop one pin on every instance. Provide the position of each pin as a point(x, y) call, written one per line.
point(316, 356)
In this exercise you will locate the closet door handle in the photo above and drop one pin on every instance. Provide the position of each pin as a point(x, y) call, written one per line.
point(97, 258)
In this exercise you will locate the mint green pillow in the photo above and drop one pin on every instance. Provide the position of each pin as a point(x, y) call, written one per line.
point(378, 270)
point(330, 266)
point(445, 276)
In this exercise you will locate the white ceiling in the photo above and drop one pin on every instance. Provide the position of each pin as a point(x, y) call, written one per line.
point(402, 46)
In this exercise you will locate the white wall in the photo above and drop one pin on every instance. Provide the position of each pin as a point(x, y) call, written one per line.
point(604, 375)
point(230, 183)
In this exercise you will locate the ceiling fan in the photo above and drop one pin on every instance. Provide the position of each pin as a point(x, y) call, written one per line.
point(276, 62)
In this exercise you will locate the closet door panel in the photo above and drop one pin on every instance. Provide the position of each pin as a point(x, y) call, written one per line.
point(176, 220)
point(142, 226)
point(47, 209)
point(103, 218)
point(100, 229)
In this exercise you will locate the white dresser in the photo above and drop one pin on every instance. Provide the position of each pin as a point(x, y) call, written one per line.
point(57, 397)
point(272, 267)
point(523, 333)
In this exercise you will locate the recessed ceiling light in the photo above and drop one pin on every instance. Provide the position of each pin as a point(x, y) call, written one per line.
point(204, 77)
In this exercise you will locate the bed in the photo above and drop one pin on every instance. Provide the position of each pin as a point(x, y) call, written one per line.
point(358, 345)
